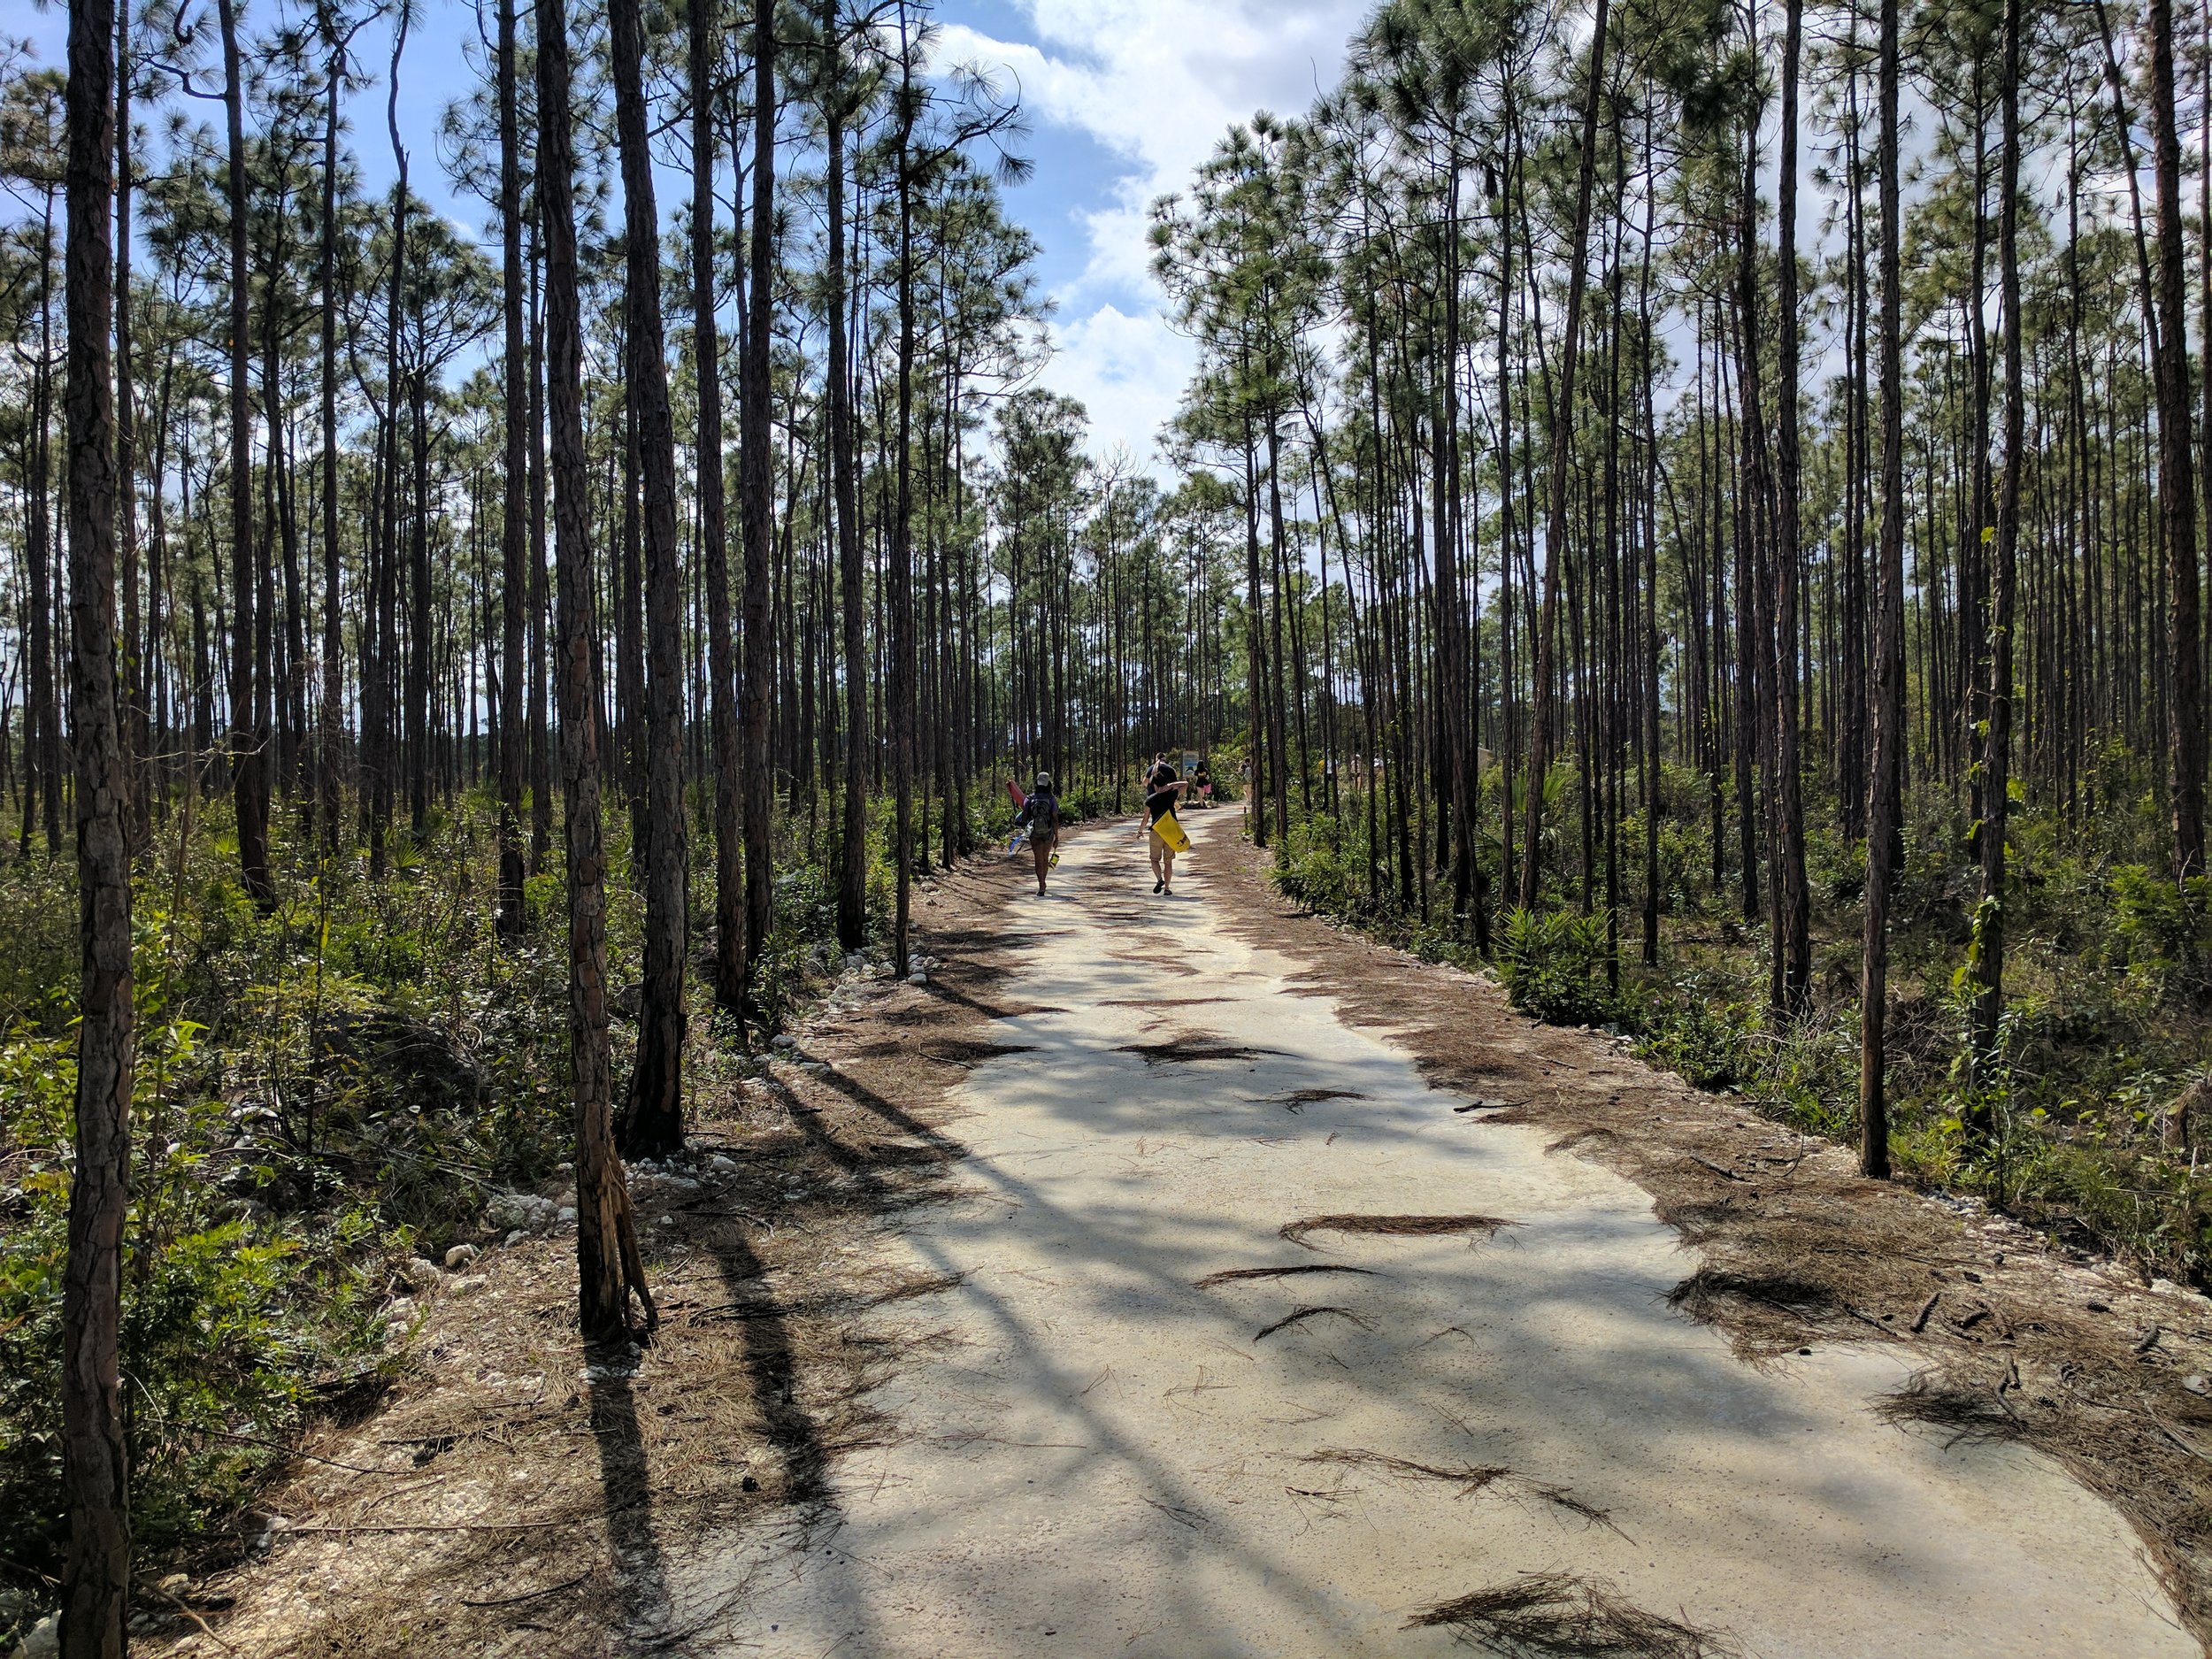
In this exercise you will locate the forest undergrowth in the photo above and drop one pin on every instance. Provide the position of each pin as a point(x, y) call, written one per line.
point(326, 1093)
point(2094, 1113)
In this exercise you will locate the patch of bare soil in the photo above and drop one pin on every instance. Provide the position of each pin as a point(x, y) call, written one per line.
point(517, 1494)
point(2011, 1338)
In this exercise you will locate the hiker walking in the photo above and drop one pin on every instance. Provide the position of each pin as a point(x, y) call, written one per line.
point(1039, 815)
point(1164, 831)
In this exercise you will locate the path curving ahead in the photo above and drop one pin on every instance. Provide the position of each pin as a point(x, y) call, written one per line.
point(1123, 1451)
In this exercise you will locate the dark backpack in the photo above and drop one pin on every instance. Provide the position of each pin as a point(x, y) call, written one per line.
point(1044, 813)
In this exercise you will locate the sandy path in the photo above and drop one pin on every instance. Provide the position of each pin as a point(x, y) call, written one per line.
point(1107, 1459)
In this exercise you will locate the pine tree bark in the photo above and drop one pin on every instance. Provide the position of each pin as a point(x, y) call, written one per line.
point(1793, 946)
point(852, 867)
point(132, 659)
point(1562, 453)
point(514, 527)
point(900, 573)
point(653, 1125)
point(1989, 955)
point(756, 491)
point(729, 868)
point(249, 775)
point(1883, 812)
point(2176, 488)
point(95, 1586)
point(608, 1265)
point(332, 736)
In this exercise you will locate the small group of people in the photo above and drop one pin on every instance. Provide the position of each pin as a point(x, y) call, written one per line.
point(1039, 817)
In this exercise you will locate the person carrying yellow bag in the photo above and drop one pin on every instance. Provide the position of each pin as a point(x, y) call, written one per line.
point(1167, 836)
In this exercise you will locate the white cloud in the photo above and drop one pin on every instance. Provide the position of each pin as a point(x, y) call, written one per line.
point(1129, 372)
point(1155, 83)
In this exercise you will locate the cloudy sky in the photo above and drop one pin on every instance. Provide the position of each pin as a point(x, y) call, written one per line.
point(1124, 98)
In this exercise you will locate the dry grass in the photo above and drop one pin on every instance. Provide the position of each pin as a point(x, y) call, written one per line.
point(1188, 1048)
point(1298, 1099)
point(1401, 1226)
point(1556, 1616)
point(2042, 1345)
point(1231, 1274)
point(519, 1495)
point(1472, 1479)
point(1304, 1314)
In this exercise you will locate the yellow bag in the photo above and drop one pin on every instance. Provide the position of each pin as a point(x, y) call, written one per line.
point(1169, 830)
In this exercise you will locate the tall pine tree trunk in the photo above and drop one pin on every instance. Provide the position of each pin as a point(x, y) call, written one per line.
point(1562, 450)
point(250, 772)
point(608, 1266)
point(1793, 946)
point(95, 1587)
point(757, 487)
point(514, 527)
point(852, 868)
point(1988, 956)
point(729, 868)
point(1884, 808)
point(653, 1125)
point(2176, 487)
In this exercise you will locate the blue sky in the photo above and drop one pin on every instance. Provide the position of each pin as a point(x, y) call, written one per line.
point(1123, 98)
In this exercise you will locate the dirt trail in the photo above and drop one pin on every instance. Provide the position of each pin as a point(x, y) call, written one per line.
point(1135, 1436)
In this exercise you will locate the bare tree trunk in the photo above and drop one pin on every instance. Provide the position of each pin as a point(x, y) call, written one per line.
point(249, 775)
point(729, 872)
point(132, 659)
point(1988, 956)
point(1793, 946)
point(607, 1261)
point(900, 576)
point(653, 1125)
point(2177, 484)
point(42, 714)
point(1883, 809)
point(852, 869)
point(1255, 647)
point(1562, 449)
point(95, 1470)
point(514, 526)
point(541, 758)
point(326, 279)
point(757, 487)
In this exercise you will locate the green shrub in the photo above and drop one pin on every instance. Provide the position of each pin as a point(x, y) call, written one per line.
point(231, 1318)
point(1311, 868)
point(2164, 927)
point(1696, 1038)
point(1553, 964)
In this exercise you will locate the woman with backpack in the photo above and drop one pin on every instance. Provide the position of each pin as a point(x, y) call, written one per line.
point(1041, 815)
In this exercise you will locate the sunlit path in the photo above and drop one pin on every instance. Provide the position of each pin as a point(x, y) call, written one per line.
point(1136, 1445)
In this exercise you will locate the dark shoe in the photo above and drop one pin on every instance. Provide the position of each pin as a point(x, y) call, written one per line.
point(1158, 886)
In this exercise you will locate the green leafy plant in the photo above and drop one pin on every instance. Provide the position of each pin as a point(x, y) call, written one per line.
point(1552, 966)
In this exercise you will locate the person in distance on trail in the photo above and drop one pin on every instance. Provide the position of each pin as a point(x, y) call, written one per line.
point(1163, 830)
point(1158, 775)
point(1041, 816)
point(1202, 781)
